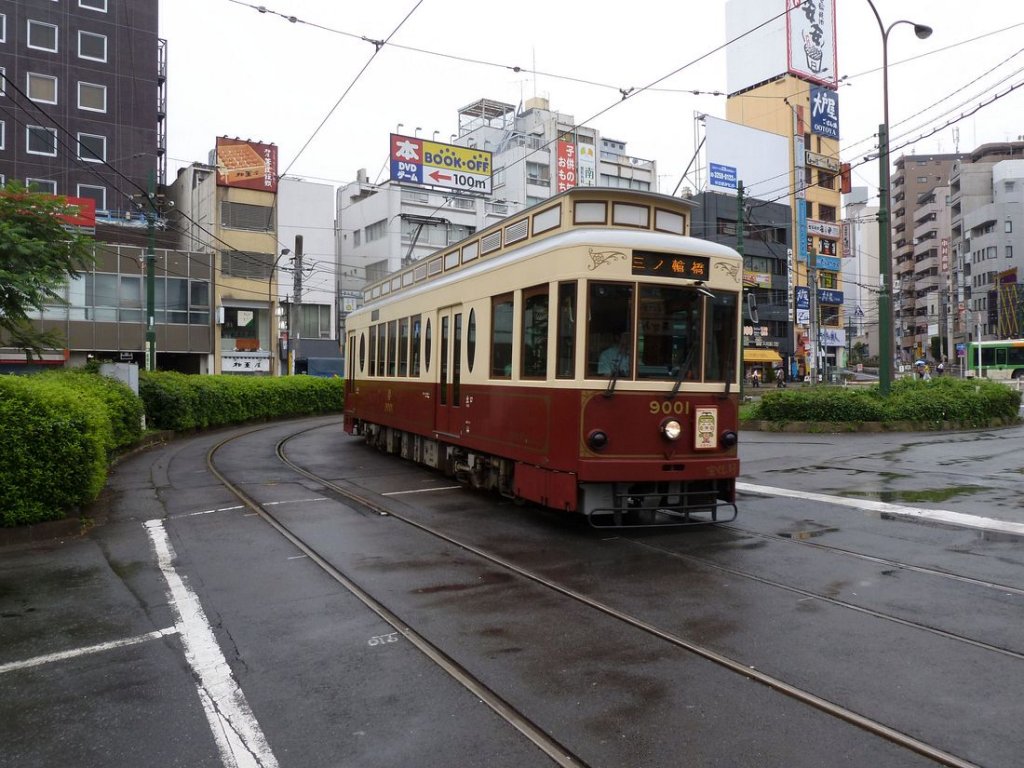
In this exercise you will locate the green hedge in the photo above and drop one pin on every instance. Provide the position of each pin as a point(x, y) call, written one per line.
point(55, 439)
point(60, 430)
point(182, 402)
point(972, 403)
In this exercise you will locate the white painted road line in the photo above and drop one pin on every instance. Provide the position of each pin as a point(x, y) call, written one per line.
point(238, 735)
point(933, 515)
point(64, 655)
point(423, 490)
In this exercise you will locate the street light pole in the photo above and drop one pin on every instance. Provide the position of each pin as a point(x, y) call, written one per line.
point(885, 292)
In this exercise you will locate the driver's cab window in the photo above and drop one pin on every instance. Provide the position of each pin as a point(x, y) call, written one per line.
point(610, 350)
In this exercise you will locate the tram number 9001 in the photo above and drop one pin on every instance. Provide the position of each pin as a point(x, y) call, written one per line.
point(668, 407)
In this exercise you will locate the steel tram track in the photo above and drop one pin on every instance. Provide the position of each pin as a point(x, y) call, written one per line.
point(945, 634)
point(896, 564)
point(559, 753)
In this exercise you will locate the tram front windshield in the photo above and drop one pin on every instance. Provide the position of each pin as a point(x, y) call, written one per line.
point(681, 333)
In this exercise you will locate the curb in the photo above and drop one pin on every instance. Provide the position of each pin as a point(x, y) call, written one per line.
point(871, 427)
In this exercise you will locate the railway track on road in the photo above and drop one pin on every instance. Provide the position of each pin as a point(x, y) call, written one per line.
point(557, 752)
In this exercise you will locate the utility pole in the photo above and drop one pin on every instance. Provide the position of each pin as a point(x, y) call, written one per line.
point(151, 273)
point(296, 305)
point(739, 250)
point(812, 290)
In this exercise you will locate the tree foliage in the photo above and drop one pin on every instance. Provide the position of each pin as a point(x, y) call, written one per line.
point(38, 255)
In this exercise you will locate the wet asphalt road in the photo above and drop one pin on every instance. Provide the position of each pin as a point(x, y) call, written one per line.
point(98, 664)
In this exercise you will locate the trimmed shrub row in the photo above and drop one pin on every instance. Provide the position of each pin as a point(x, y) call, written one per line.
point(182, 402)
point(970, 403)
point(60, 430)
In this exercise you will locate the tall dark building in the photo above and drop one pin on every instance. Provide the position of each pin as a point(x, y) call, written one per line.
point(83, 86)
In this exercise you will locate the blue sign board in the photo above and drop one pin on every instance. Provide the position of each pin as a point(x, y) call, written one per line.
point(723, 176)
point(801, 229)
point(828, 296)
point(825, 296)
point(824, 112)
point(830, 263)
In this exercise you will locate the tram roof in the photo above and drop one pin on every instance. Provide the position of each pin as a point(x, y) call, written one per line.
point(411, 274)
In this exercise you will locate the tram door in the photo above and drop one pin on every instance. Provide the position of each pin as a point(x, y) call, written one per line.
point(448, 405)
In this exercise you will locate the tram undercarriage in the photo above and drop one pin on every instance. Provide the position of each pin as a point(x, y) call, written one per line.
point(605, 505)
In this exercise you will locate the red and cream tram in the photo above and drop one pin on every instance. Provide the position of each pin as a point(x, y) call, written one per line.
point(583, 355)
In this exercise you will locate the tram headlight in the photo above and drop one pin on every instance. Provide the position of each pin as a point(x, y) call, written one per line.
point(729, 439)
point(597, 439)
point(671, 429)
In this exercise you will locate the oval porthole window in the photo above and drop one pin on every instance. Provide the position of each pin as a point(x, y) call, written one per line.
point(471, 340)
point(362, 352)
point(426, 346)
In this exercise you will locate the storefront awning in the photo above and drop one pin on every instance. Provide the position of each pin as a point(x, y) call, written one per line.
point(761, 356)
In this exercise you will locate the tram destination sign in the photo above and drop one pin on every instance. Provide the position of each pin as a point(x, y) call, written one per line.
point(432, 164)
point(671, 265)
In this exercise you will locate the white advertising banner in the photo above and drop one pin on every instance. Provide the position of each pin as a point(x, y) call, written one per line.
point(811, 34)
point(738, 153)
point(586, 165)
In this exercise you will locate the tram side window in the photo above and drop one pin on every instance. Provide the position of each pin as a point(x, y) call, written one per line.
point(403, 347)
point(610, 331)
point(373, 350)
point(566, 341)
point(501, 336)
point(415, 362)
point(457, 361)
point(392, 347)
point(382, 346)
point(669, 333)
point(350, 356)
point(535, 333)
point(720, 359)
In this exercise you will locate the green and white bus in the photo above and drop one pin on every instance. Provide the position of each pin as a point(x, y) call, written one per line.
point(1001, 359)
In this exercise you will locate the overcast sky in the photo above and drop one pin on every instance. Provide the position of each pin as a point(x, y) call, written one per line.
point(234, 71)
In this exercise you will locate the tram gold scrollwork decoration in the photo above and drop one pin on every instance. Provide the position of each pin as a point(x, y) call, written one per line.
point(733, 270)
point(600, 258)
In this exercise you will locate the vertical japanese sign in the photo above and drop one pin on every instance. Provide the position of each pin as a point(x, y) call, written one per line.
point(586, 164)
point(811, 34)
point(566, 171)
point(825, 112)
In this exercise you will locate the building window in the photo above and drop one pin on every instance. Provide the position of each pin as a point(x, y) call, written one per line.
point(826, 180)
point(93, 5)
point(3, 136)
point(41, 185)
point(257, 218)
point(1009, 251)
point(92, 148)
point(357, 238)
point(41, 88)
point(92, 97)
point(246, 264)
point(538, 173)
point(826, 212)
point(42, 37)
point(92, 46)
point(97, 194)
point(40, 141)
point(3, 80)
point(377, 230)
point(1008, 226)
point(3, 27)
point(315, 321)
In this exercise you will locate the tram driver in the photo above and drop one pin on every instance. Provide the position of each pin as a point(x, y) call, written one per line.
point(615, 358)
